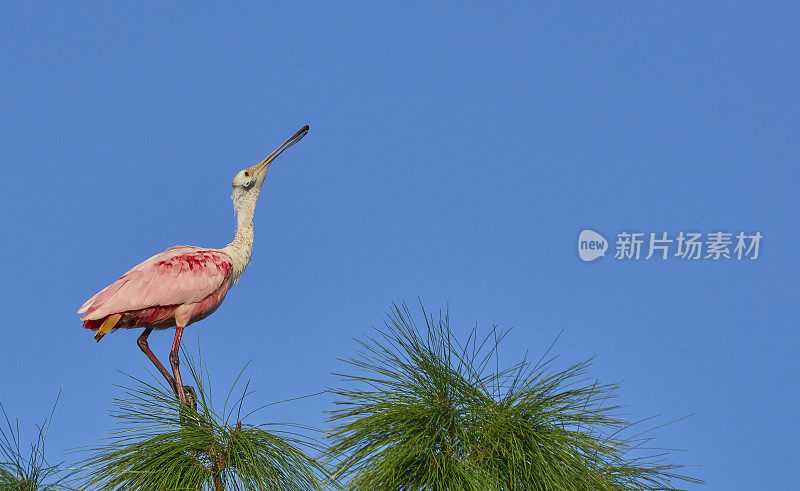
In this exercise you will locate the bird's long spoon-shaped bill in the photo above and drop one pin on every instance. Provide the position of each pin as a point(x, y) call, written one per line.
point(262, 166)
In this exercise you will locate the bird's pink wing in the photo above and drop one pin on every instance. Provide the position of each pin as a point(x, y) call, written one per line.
point(179, 275)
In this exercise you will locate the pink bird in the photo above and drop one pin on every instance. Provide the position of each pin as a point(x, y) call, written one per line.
point(183, 284)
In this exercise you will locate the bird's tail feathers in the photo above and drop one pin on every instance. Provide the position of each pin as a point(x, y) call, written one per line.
point(107, 325)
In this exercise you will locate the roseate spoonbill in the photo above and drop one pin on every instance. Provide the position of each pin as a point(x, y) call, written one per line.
point(183, 284)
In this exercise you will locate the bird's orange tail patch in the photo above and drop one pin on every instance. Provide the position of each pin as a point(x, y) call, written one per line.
point(106, 326)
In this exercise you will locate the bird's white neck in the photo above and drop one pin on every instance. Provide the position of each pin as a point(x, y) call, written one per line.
point(244, 204)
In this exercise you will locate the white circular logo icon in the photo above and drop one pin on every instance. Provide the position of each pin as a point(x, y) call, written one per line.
point(591, 245)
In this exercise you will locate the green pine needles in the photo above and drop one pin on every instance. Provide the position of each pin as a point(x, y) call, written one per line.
point(29, 471)
point(162, 446)
point(425, 412)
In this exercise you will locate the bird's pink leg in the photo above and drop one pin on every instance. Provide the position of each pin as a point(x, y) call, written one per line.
point(174, 361)
point(142, 342)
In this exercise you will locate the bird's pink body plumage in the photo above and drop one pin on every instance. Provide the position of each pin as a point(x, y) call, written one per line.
point(182, 284)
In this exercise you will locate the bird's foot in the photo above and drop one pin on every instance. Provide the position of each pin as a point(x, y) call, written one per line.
point(190, 396)
point(189, 400)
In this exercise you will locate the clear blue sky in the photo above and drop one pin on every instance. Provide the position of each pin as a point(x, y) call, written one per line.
point(455, 153)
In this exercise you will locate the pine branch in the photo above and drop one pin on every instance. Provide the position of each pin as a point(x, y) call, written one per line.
point(161, 444)
point(419, 410)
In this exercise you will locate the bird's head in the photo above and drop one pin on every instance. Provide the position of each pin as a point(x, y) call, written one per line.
point(252, 178)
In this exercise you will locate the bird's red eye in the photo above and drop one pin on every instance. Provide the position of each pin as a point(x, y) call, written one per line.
point(246, 174)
